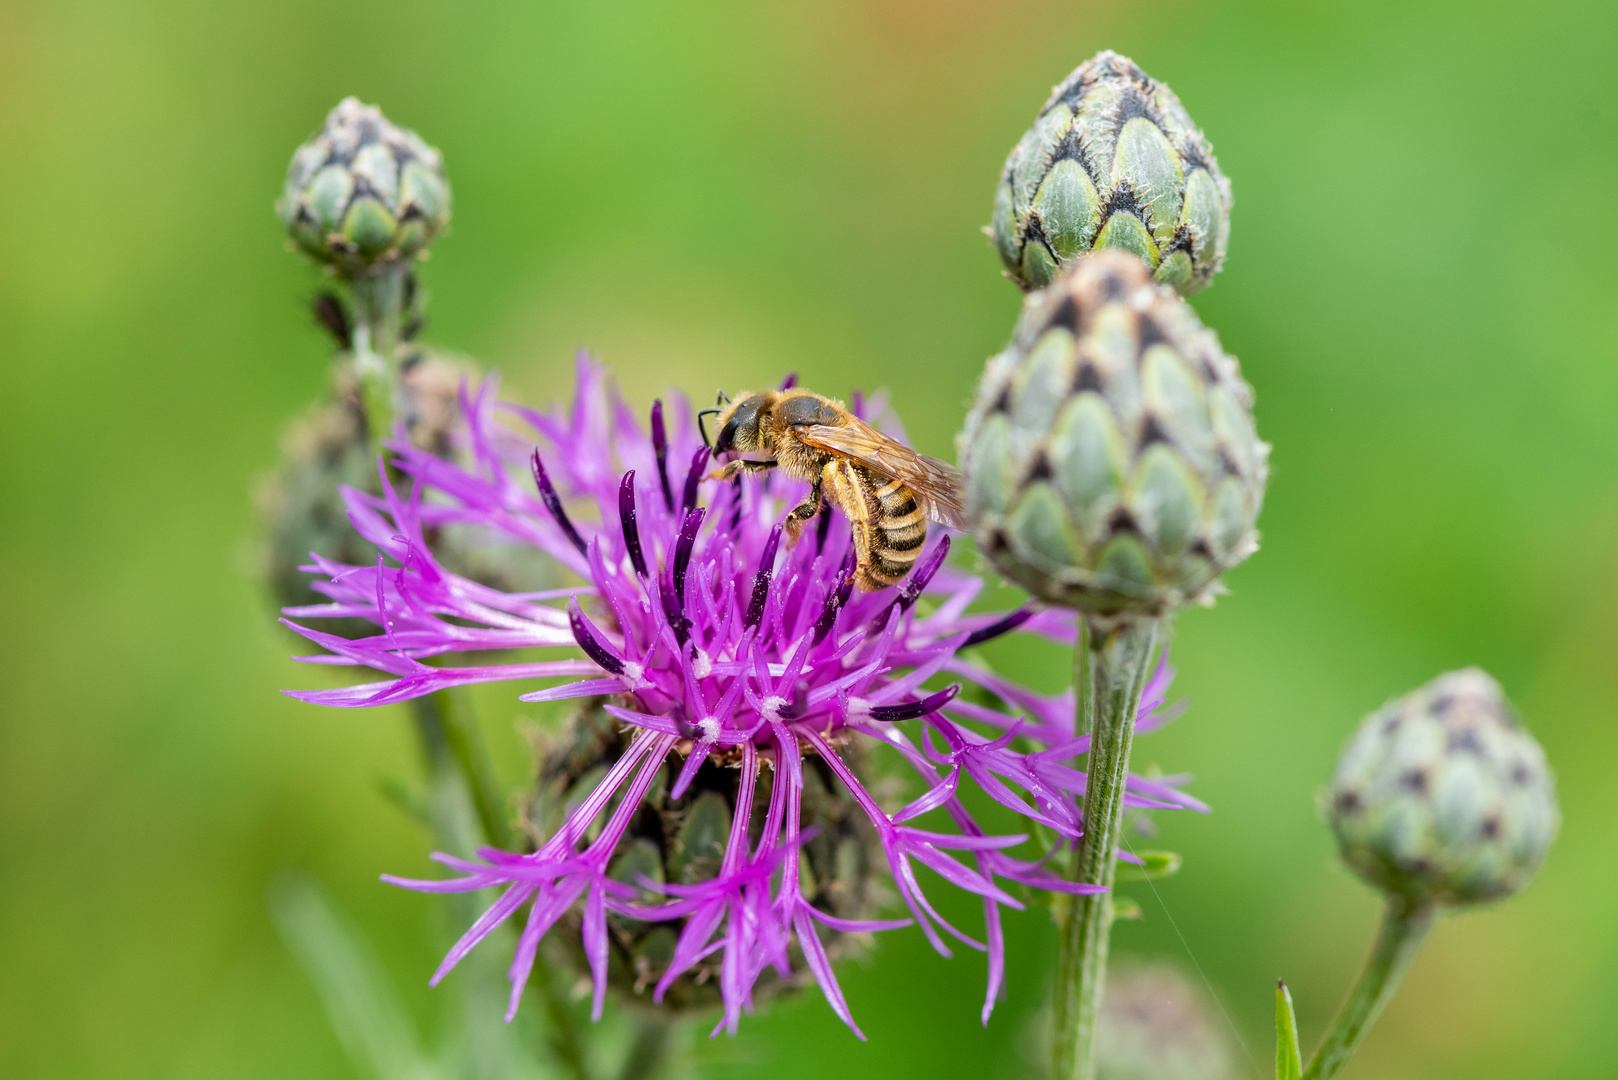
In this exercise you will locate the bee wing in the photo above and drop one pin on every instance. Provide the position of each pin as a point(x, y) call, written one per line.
point(937, 486)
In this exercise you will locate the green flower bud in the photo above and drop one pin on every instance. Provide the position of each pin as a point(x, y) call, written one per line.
point(363, 193)
point(1110, 459)
point(1155, 1025)
point(683, 841)
point(1112, 161)
point(1444, 796)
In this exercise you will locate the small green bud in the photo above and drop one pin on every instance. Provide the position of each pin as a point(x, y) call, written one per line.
point(364, 193)
point(1110, 459)
point(1444, 796)
point(1156, 1025)
point(1112, 161)
point(301, 507)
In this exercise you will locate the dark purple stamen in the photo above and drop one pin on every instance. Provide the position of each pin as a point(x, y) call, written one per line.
point(919, 578)
point(736, 507)
point(674, 612)
point(553, 503)
point(761, 580)
point(836, 596)
point(693, 478)
point(626, 515)
point(682, 551)
point(822, 527)
point(588, 642)
point(924, 573)
point(660, 446)
point(790, 381)
point(911, 710)
point(995, 629)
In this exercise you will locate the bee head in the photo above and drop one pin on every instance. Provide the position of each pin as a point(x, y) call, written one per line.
point(739, 423)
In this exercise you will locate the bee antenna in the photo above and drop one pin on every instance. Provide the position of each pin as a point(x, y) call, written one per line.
point(702, 425)
point(722, 399)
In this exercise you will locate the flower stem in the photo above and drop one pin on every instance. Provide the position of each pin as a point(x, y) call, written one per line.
point(649, 1054)
point(1404, 928)
point(562, 1031)
point(465, 744)
point(1111, 664)
point(378, 316)
point(464, 803)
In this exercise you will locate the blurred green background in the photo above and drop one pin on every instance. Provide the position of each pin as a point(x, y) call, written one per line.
point(1420, 287)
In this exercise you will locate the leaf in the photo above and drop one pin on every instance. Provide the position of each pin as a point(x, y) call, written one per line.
point(400, 794)
point(1158, 864)
point(360, 1000)
point(1288, 1063)
point(1124, 907)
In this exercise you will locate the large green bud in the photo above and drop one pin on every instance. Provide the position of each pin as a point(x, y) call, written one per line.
point(1444, 796)
point(1110, 459)
point(1112, 161)
point(363, 193)
point(682, 841)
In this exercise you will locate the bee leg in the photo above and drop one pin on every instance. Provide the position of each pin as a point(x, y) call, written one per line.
point(803, 514)
point(732, 469)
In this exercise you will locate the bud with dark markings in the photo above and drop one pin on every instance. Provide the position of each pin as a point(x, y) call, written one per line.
point(1110, 458)
point(1444, 796)
point(364, 193)
point(1112, 161)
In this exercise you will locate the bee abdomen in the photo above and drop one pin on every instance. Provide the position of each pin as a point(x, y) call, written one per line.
point(899, 533)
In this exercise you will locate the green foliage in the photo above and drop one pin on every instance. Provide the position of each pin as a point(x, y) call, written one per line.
point(795, 187)
point(1155, 864)
point(1288, 1062)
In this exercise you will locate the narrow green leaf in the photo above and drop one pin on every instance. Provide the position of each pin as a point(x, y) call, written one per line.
point(1124, 907)
point(361, 1002)
point(1158, 864)
point(1288, 1062)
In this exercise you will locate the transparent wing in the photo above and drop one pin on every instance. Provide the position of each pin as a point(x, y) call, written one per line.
point(937, 486)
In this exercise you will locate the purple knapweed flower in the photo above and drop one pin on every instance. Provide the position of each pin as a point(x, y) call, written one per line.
point(710, 638)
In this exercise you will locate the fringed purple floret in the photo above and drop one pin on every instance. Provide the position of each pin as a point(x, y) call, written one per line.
point(712, 637)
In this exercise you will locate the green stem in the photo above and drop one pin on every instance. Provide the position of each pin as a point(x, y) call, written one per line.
point(1112, 665)
point(465, 743)
point(378, 317)
point(649, 1054)
point(562, 1033)
point(1404, 928)
point(458, 770)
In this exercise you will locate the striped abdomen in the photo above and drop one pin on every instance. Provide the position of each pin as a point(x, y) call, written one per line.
point(894, 534)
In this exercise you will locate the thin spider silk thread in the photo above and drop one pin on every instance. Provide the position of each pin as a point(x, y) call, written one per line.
point(1124, 839)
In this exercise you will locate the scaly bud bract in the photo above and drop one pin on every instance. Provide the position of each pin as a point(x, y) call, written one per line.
point(364, 193)
point(1444, 796)
point(1112, 161)
point(1110, 459)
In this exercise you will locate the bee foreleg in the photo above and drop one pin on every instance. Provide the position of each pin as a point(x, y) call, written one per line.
point(730, 471)
point(803, 514)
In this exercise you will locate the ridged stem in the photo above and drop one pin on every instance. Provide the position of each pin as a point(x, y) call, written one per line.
point(1109, 673)
point(457, 768)
point(378, 317)
point(1404, 929)
point(649, 1053)
point(466, 744)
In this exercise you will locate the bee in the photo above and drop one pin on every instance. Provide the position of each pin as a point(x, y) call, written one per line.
point(885, 489)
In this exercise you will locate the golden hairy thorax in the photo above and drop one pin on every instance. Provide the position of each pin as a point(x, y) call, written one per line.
point(887, 491)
